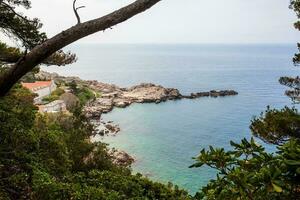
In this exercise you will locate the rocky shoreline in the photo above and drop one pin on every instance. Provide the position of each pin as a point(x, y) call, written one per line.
point(106, 128)
point(121, 158)
point(112, 96)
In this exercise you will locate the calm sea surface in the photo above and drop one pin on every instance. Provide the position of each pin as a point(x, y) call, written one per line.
point(164, 137)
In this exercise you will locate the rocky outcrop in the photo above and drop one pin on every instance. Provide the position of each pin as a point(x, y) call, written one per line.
point(105, 128)
point(114, 129)
point(113, 96)
point(118, 157)
point(121, 158)
point(212, 93)
point(150, 93)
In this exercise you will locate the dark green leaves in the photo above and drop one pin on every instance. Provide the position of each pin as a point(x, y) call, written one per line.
point(20, 27)
point(248, 172)
point(277, 126)
point(26, 32)
point(295, 5)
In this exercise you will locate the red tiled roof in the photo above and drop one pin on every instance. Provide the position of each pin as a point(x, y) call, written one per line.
point(36, 85)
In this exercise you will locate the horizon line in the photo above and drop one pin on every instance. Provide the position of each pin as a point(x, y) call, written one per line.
point(187, 43)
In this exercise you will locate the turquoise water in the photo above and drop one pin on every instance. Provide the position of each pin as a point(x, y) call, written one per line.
point(164, 138)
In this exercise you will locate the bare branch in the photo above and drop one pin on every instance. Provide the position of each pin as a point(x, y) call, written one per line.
point(76, 11)
point(80, 7)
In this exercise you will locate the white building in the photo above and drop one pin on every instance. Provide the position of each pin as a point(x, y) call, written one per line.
point(54, 106)
point(41, 88)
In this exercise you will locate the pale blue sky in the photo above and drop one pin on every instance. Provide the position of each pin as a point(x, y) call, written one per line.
point(180, 21)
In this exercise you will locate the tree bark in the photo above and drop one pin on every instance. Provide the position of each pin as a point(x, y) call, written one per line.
point(39, 53)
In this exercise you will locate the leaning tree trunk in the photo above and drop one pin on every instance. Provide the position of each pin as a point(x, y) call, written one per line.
point(41, 52)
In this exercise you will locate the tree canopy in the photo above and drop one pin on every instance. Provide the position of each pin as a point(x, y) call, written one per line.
point(295, 5)
point(294, 82)
point(18, 26)
point(26, 32)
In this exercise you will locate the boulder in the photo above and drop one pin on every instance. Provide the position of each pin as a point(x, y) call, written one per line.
point(121, 158)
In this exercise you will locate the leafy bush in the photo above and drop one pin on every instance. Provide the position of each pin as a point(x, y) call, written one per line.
point(83, 93)
point(54, 95)
point(249, 172)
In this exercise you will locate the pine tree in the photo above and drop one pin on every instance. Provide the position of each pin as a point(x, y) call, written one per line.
point(294, 82)
point(26, 33)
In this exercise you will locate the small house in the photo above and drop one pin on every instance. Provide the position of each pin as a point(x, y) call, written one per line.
point(41, 88)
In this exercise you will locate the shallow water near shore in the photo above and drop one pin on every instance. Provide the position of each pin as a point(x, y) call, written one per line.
point(164, 137)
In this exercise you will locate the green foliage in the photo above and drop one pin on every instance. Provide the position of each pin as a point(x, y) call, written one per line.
point(83, 93)
point(296, 58)
point(249, 172)
point(8, 54)
point(17, 115)
point(54, 95)
point(277, 126)
point(22, 29)
point(295, 5)
point(19, 26)
point(50, 156)
point(294, 82)
point(98, 94)
point(105, 185)
point(58, 92)
point(294, 85)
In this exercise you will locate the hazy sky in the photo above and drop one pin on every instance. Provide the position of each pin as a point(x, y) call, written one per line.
point(179, 21)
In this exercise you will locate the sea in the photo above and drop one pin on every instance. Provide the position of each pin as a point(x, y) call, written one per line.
point(164, 138)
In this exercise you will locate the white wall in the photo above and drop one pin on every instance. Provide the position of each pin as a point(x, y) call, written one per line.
point(44, 92)
point(41, 94)
point(56, 106)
